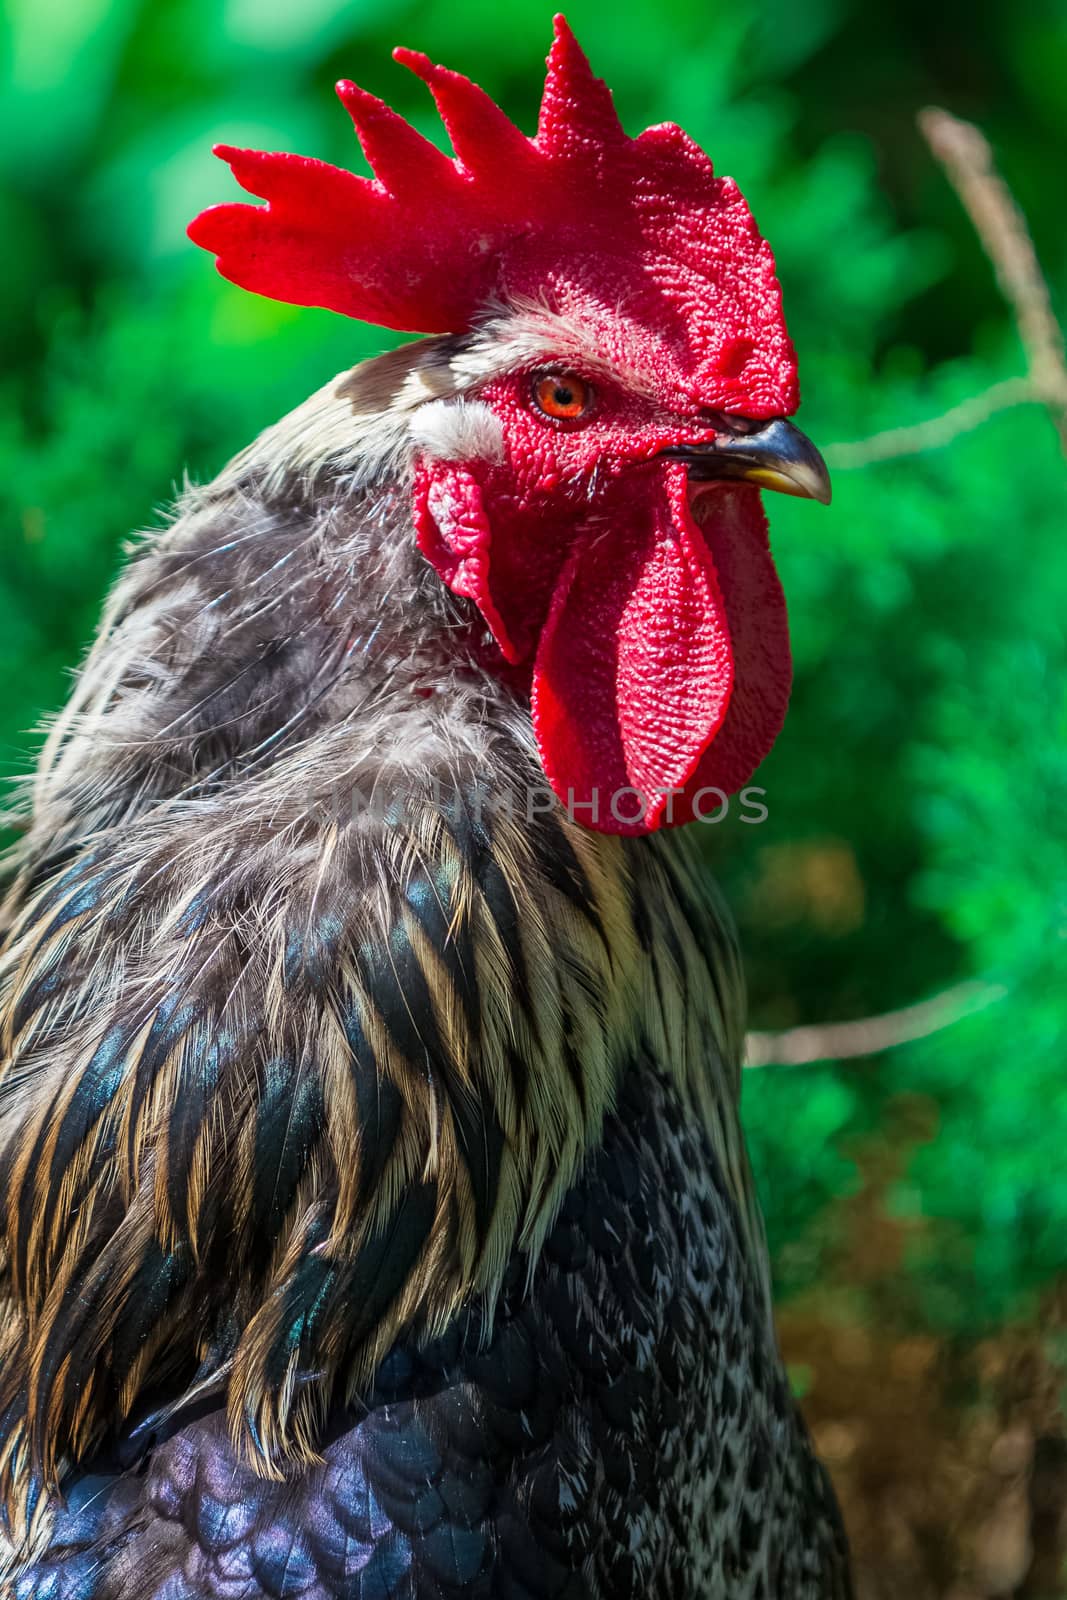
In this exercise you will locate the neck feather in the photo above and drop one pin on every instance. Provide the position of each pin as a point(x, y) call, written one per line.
point(289, 1070)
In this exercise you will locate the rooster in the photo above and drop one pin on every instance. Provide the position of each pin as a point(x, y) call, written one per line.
point(376, 1216)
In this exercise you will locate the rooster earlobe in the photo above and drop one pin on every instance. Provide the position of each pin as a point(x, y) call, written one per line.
point(453, 533)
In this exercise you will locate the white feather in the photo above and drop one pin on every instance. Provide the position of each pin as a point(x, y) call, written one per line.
point(458, 430)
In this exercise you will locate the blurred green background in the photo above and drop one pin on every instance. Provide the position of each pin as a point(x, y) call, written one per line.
point(917, 1200)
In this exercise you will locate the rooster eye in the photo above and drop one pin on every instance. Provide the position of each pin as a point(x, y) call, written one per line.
point(562, 395)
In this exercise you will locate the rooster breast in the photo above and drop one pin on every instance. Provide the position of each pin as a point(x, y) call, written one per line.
point(612, 1428)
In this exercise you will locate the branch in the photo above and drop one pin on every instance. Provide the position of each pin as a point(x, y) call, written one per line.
point(964, 153)
point(1001, 227)
point(936, 431)
point(843, 1041)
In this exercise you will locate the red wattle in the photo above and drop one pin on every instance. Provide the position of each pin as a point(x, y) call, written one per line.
point(635, 668)
point(662, 669)
point(732, 521)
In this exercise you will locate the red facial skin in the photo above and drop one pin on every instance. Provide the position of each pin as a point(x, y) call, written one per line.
point(649, 616)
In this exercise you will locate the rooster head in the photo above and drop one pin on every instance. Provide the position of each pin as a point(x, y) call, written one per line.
point(622, 378)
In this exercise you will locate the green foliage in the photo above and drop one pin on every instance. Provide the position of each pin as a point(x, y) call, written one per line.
point(916, 800)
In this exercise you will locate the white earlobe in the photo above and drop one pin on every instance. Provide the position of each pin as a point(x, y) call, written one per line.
point(458, 430)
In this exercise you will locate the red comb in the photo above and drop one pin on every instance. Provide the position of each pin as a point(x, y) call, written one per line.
point(580, 217)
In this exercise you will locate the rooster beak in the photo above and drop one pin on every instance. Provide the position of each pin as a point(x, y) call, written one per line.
point(775, 455)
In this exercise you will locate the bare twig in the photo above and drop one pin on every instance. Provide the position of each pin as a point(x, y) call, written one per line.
point(841, 1041)
point(968, 162)
point(936, 431)
point(965, 154)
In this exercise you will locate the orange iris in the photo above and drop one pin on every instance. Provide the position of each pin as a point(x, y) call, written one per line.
point(562, 395)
